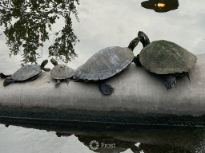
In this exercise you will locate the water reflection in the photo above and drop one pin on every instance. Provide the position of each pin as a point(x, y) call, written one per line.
point(107, 144)
point(27, 24)
point(121, 138)
point(161, 5)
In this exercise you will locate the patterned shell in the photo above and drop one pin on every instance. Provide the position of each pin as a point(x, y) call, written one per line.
point(26, 72)
point(164, 57)
point(62, 72)
point(105, 64)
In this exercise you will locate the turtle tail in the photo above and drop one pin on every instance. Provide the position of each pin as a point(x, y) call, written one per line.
point(8, 81)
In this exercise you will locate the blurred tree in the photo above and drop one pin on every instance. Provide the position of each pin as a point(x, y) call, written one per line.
point(27, 23)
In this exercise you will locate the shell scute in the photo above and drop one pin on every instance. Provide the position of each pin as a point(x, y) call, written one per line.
point(62, 71)
point(164, 57)
point(26, 72)
point(105, 63)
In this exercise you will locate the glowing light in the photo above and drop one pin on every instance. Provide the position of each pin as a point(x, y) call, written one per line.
point(160, 5)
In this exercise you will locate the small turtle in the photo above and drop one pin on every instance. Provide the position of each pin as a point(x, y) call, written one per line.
point(165, 58)
point(25, 73)
point(61, 72)
point(105, 64)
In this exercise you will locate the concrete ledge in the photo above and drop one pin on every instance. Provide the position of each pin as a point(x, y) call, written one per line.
point(139, 98)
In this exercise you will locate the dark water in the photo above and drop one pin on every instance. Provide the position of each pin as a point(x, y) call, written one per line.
point(35, 136)
point(106, 23)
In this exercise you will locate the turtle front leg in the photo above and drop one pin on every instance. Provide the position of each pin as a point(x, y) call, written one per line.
point(67, 81)
point(170, 81)
point(136, 60)
point(4, 76)
point(58, 82)
point(8, 81)
point(106, 89)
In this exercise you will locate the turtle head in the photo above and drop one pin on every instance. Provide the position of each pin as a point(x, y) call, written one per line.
point(143, 38)
point(43, 65)
point(134, 43)
point(54, 62)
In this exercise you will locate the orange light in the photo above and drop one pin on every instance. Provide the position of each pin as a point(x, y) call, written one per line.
point(160, 5)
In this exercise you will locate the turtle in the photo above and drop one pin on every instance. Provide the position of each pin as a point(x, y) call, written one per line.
point(105, 64)
point(61, 72)
point(25, 73)
point(165, 58)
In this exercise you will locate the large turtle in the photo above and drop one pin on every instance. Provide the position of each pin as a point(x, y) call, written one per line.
point(105, 64)
point(61, 72)
point(165, 58)
point(25, 73)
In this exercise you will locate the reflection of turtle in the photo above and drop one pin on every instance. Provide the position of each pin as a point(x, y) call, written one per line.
point(105, 64)
point(166, 58)
point(25, 73)
point(61, 72)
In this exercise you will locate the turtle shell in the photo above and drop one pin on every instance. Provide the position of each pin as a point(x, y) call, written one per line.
point(164, 57)
point(62, 72)
point(105, 64)
point(26, 72)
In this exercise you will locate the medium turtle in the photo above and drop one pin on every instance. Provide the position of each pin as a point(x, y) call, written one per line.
point(25, 73)
point(61, 72)
point(165, 58)
point(105, 64)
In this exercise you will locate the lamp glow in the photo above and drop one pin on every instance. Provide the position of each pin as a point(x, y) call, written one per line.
point(160, 5)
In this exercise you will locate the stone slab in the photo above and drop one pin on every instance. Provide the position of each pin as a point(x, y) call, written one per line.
point(139, 98)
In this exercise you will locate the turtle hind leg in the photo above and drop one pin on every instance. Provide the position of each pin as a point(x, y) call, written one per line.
point(8, 81)
point(4, 76)
point(170, 81)
point(106, 89)
point(187, 74)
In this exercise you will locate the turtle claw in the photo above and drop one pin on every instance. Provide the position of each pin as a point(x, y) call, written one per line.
point(106, 89)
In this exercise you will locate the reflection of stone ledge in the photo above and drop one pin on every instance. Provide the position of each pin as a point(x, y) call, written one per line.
point(140, 97)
